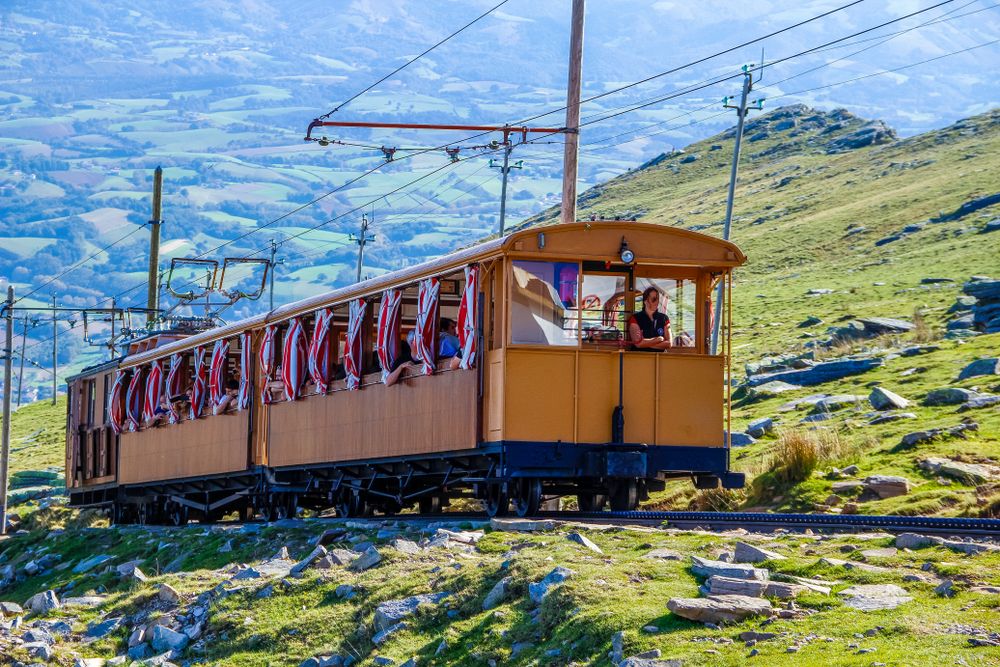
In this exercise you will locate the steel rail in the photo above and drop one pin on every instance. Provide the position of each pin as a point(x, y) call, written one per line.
point(752, 521)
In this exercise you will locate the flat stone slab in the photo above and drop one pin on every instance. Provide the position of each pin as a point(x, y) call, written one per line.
point(747, 553)
point(664, 554)
point(873, 597)
point(709, 568)
point(720, 609)
point(391, 612)
point(826, 371)
point(970, 473)
point(753, 588)
point(84, 601)
point(522, 525)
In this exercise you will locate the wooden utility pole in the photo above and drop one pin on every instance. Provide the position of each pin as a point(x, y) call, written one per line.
point(20, 375)
point(55, 351)
point(153, 292)
point(8, 354)
point(571, 153)
point(741, 112)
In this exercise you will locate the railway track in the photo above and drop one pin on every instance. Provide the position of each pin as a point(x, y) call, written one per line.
point(754, 521)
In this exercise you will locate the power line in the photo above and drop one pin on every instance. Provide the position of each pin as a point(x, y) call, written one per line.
point(884, 38)
point(80, 263)
point(889, 71)
point(595, 97)
point(412, 60)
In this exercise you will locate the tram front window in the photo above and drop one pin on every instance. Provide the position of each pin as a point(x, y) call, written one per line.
point(543, 307)
point(602, 308)
point(677, 302)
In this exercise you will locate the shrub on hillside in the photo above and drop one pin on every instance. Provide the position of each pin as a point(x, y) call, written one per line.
point(799, 453)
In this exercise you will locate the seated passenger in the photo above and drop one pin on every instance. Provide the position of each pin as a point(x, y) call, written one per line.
point(404, 360)
point(227, 400)
point(649, 329)
point(160, 414)
point(449, 346)
point(684, 339)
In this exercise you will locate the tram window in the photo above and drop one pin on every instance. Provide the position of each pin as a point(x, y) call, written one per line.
point(543, 303)
point(91, 401)
point(679, 306)
point(107, 396)
point(602, 307)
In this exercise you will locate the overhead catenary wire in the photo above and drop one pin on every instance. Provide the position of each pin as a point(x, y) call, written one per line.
point(562, 108)
point(948, 16)
point(592, 98)
point(83, 261)
point(413, 60)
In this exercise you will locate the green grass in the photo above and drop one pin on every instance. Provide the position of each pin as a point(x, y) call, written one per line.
point(620, 591)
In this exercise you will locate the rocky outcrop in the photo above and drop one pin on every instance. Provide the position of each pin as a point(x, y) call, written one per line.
point(968, 473)
point(539, 589)
point(990, 366)
point(826, 371)
point(720, 609)
point(919, 437)
point(873, 133)
point(986, 311)
point(883, 399)
point(873, 597)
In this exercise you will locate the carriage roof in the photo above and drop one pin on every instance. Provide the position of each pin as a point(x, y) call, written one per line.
point(699, 249)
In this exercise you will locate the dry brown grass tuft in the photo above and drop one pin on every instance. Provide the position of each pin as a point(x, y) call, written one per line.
point(799, 453)
point(922, 332)
point(718, 500)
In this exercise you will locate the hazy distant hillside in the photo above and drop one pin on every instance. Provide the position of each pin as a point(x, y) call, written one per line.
point(94, 95)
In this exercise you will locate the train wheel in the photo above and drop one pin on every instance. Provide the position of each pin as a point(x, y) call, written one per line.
point(625, 496)
point(177, 514)
point(350, 503)
point(591, 502)
point(429, 505)
point(144, 514)
point(527, 496)
point(495, 500)
point(288, 506)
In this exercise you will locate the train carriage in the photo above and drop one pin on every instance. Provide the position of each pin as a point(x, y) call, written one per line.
point(538, 395)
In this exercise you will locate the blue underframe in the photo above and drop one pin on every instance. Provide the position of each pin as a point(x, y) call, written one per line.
point(566, 459)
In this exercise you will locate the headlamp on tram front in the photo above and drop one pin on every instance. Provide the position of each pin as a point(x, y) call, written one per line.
point(627, 256)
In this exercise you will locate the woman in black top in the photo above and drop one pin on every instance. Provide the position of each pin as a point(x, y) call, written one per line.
point(649, 329)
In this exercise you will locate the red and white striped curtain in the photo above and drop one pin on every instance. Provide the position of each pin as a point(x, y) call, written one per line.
point(294, 359)
point(468, 316)
point(134, 400)
point(352, 353)
point(387, 343)
point(266, 357)
point(198, 388)
point(246, 361)
point(154, 388)
point(217, 375)
point(115, 403)
point(427, 324)
point(321, 350)
point(175, 377)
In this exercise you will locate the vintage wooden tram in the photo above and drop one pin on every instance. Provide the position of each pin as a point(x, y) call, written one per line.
point(525, 416)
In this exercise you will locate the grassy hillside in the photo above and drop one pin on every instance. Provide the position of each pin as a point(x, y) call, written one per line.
point(38, 436)
point(264, 616)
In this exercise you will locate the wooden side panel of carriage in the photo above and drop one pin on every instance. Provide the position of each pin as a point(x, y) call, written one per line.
point(420, 415)
point(207, 446)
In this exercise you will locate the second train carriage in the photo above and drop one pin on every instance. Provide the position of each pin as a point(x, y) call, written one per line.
point(291, 409)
